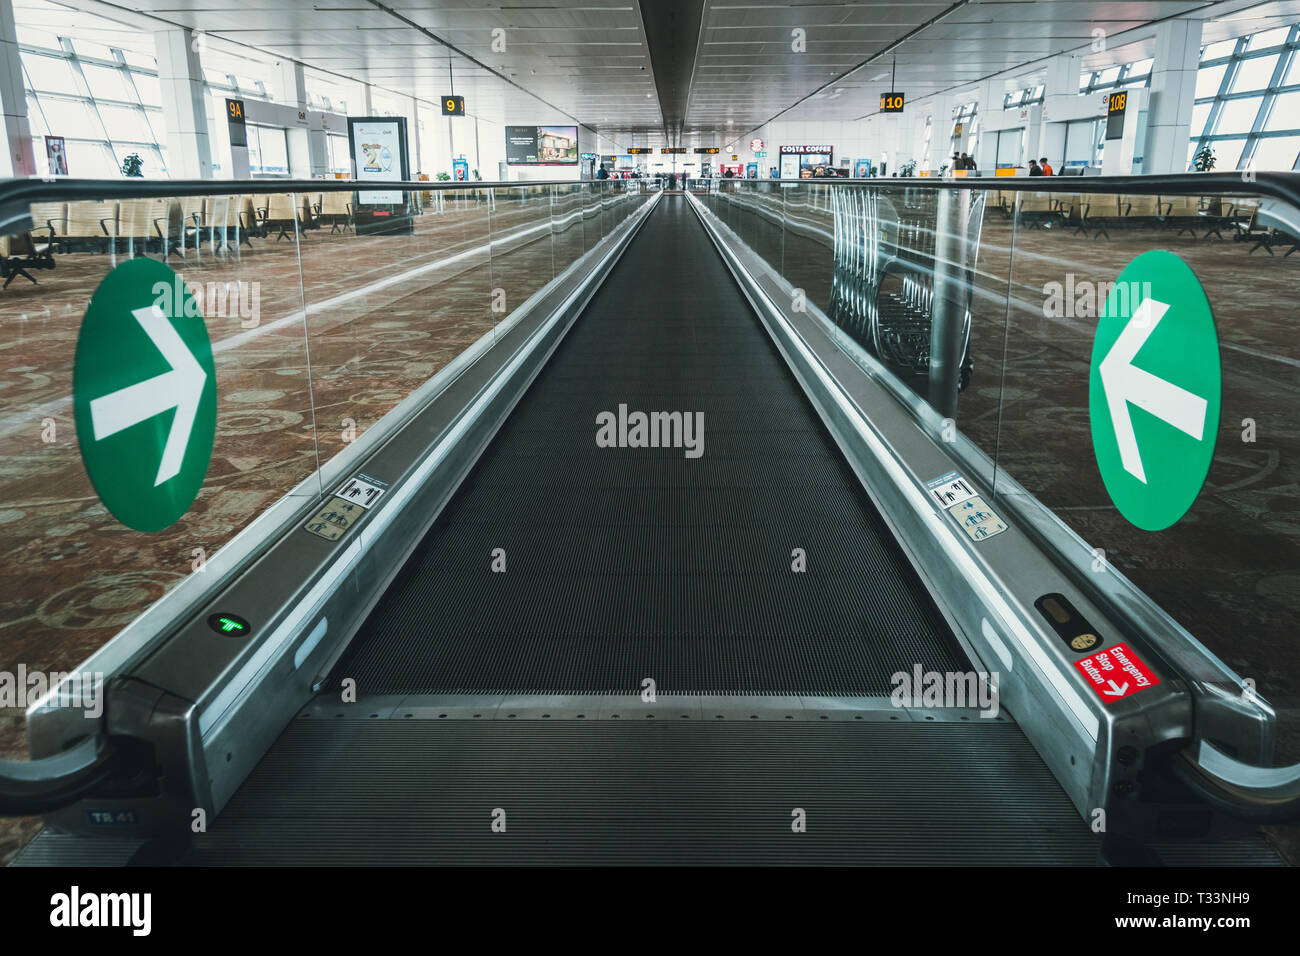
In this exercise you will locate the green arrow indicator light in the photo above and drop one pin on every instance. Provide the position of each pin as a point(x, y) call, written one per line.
point(231, 625)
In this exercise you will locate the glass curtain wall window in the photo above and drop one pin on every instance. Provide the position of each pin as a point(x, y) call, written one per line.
point(1247, 106)
point(106, 101)
point(104, 106)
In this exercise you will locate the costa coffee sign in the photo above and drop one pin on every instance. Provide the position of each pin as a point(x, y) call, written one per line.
point(807, 149)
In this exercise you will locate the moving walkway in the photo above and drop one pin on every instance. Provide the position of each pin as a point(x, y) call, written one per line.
point(535, 645)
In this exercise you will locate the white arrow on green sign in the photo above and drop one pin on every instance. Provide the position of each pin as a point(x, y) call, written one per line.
point(1154, 391)
point(144, 395)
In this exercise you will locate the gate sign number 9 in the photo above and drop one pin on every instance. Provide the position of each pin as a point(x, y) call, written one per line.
point(453, 106)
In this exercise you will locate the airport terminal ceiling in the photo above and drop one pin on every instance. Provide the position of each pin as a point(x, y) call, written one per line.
point(714, 68)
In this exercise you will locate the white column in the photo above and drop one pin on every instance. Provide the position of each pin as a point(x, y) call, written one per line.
point(368, 103)
point(20, 154)
point(308, 151)
point(318, 157)
point(1046, 138)
point(1173, 90)
point(941, 132)
point(414, 136)
point(905, 141)
point(184, 104)
point(1063, 75)
point(991, 96)
point(290, 84)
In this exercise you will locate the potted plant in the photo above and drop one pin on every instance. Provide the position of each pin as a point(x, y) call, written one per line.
point(908, 169)
point(443, 177)
point(1203, 162)
point(133, 165)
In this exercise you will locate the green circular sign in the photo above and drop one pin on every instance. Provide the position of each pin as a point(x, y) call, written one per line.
point(1154, 390)
point(144, 394)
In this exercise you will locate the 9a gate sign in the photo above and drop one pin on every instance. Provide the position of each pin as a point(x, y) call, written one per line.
point(1116, 673)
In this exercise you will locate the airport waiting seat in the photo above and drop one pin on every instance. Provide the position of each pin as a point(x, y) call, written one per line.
point(1182, 213)
point(51, 219)
point(142, 223)
point(309, 210)
point(335, 211)
point(278, 214)
point(1250, 230)
point(1137, 209)
point(1218, 214)
point(250, 215)
point(1072, 211)
point(285, 211)
point(190, 218)
point(1102, 212)
point(1038, 210)
point(23, 252)
point(226, 217)
point(90, 226)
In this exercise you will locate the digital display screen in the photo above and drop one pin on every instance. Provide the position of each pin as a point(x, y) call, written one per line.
point(542, 145)
point(1115, 115)
point(891, 102)
point(235, 123)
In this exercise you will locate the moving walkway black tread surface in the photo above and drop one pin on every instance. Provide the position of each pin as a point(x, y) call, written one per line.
point(623, 564)
point(638, 792)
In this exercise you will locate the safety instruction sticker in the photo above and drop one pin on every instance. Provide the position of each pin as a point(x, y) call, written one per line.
point(334, 520)
point(362, 490)
point(977, 519)
point(1116, 673)
point(950, 489)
